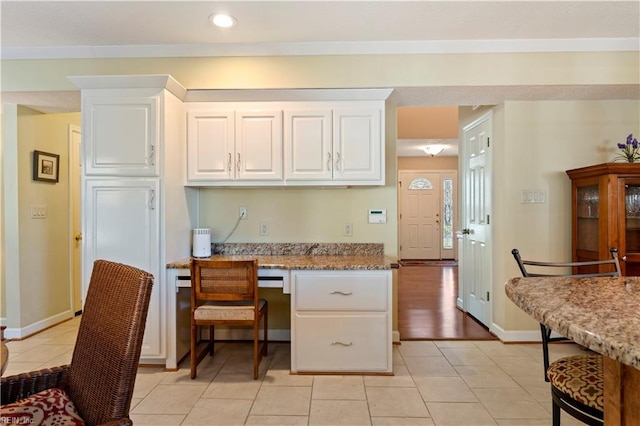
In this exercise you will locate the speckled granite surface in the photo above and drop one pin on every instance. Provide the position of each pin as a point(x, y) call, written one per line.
point(300, 249)
point(602, 314)
point(309, 256)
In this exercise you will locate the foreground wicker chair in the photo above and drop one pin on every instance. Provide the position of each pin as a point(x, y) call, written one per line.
point(102, 372)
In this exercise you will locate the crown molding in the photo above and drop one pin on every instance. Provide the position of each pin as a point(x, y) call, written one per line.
point(326, 48)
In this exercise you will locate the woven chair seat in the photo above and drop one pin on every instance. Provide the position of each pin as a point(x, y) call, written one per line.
point(581, 377)
point(241, 310)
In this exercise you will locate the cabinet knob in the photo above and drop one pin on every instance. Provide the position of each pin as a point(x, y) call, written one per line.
point(624, 258)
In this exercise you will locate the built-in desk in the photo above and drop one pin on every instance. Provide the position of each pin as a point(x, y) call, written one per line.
point(602, 314)
point(361, 300)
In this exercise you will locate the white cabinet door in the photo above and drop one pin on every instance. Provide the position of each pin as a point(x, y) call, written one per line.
point(307, 143)
point(258, 145)
point(122, 225)
point(120, 135)
point(357, 144)
point(210, 145)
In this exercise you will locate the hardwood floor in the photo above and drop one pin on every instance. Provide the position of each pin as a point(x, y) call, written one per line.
point(427, 306)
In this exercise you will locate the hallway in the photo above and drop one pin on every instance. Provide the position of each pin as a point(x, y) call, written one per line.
point(427, 306)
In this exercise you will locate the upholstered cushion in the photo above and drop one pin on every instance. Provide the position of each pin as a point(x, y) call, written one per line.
point(239, 311)
point(50, 407)
point(581, 377)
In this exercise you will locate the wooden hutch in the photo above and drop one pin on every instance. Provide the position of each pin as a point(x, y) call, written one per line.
point(605, 204)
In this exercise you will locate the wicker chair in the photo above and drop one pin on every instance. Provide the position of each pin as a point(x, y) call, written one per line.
point(577, 382)
point(229, 290)
point(100, 379)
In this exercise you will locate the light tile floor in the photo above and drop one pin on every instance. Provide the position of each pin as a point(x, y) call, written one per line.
point(435, 383)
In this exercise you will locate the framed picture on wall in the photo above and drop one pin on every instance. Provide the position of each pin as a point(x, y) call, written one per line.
point(45, 166)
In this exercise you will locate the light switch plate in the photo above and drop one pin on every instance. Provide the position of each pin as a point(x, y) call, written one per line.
point(38, 211)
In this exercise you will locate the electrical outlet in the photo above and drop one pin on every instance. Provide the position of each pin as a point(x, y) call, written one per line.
point(264, 229)
point(348, 230)
point(243, 213)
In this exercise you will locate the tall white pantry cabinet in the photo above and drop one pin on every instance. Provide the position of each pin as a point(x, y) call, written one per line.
point(136, 209)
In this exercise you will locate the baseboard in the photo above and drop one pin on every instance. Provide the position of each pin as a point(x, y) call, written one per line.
point(514, 336)
point(395, 336)
point(36, 327)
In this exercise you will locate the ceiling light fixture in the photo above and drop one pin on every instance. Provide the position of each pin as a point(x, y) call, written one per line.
point(223, 21)
point(433, 150)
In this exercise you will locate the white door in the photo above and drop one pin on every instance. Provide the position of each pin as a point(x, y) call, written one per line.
point(75, 208)
point(259, 145)
point(357, 143)
point(420, 220)
point(307, 144)
point(210, 145)
point(475, 278)
point(122, 225)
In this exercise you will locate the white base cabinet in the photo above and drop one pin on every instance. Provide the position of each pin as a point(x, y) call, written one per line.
point(341, 322)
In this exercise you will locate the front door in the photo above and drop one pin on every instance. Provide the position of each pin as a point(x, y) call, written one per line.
point(475, 278)
point(420, 220)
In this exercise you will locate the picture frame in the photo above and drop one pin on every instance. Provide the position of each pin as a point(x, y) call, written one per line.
point(46, 166)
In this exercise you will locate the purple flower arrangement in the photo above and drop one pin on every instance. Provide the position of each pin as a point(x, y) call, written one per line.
point(630, 152)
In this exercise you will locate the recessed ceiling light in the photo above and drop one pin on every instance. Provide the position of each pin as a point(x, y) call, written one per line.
point(223, 21)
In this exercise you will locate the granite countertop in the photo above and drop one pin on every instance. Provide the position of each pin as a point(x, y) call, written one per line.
point(306, 256)
point(602, 314)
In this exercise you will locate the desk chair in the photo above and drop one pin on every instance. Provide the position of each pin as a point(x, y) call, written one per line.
point(577, 382)
point(226, 293)
point(98, 384)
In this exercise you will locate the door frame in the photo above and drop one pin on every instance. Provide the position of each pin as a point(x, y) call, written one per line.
point(74, 293)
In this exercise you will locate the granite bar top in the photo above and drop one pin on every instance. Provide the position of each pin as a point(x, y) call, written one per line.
point(602, 314)
point(309, 256)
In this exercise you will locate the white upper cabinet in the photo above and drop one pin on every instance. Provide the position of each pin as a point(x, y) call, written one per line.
point(120, 134)
point(286, 138)
point(340, 144)
point(210, 145)
point(259, 145)
point(228, 145)
point(357, 144)
point(308, 147)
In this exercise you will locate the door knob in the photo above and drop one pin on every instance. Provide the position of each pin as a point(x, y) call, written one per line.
point(78, 237)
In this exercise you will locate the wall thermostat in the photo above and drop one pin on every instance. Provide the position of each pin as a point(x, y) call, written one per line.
point(378, 216)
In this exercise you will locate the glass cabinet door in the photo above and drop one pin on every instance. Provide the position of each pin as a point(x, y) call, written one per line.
point(588, 212)
point(630, 240)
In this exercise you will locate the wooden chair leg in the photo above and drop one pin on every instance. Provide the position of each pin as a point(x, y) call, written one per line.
point(266, 328)
point(256, 343)
point(211, 335)
point(194, 347)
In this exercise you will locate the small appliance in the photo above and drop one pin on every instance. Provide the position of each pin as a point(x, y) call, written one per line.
point(201, 242)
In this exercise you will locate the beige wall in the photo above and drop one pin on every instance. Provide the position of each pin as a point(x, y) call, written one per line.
point(557, 135)
point(428, 163)
point(534, 144)
point(41, 245)
point(439, 122)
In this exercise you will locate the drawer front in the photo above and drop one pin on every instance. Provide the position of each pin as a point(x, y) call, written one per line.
point(342, 292)
point(328, 343)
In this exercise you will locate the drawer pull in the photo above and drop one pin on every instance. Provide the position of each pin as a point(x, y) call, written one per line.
point(341, 292)
point(335, 342)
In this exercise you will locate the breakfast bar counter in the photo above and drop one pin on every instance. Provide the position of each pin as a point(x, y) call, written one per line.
point(332, 262)
point(602, 314)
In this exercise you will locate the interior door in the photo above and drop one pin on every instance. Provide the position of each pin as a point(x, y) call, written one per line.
point(420, 221)
point(476, 265)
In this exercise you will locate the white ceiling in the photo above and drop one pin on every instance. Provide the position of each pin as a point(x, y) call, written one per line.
point(93, 29)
